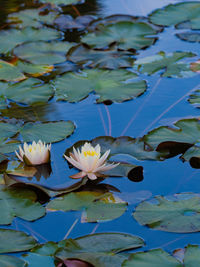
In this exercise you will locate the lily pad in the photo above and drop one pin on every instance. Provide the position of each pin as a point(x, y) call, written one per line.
point(9, 39)
point(43, 52)
point(108, 85)
point(195, 98)
point(98, 206)
point(31, 18)
point(176, 13)
point(178, 214)
point(19, 203)
point(167, 63)
point(193, 37)
point(48, 132)
point(151, 258)
point(182, 136)
point(10, 261)
point(126, 35)
point(195, 66)
point(62, 2)
point(191, 257)
point(8, 72)
point(67, 22)
point(29, 91)
point(7, 129)
point(193, 156)
point(110, 59)
point(35, 260)
point(15, 241)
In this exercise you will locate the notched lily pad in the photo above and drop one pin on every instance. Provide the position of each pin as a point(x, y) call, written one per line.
point(9, 39)
point(117, 86)
point(167, 63)
point(151, 258)
point(125, 34)
point(179, 213)
point(43, 52)
point(15, 241)
point(110, 59)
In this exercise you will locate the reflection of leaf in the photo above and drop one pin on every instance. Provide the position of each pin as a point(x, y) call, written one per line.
point(19, 203)
point(11, 261)
point(126, 34)
point(29, 91)
point(48, 132)
point(31, 17)
point(97, 206)
point(111, 59)
point(167, 63)
point(179, 214)
point(43, 52)
point(151, 258)
point(109, 85)
point(14, 241)
point(11, 38)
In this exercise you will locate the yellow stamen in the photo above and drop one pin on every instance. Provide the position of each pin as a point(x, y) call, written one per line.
point(90, 153)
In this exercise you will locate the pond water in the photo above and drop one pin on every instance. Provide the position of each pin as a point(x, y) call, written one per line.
point(163, 103)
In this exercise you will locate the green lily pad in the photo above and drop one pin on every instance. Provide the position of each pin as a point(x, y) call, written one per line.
point(111, 59)
point(7, 129)
point(19, 203)
point(48, 132)
point(43, 52)
point(167, 63)
point(176, 140)
point(29, 91)
point(176, 13)
point(195, 98)
point(11, 38)
point(8, 146)
point(15, 241)
point(151, 258)
point(191, 257)
point(195, 66)
point(193, 156)
point(193, 37)
point(108, 85)
point(61, 2)
point(179, 213)
point(10, 261)
point(31, 18)
point(126, 35)
point(8, 72)
point(35, 260)
point(98, 206)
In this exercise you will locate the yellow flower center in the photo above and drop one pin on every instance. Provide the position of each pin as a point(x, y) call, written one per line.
point(90, 153)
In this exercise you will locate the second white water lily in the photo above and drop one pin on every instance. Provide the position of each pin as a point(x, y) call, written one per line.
point(35, 153)
point(89, 161)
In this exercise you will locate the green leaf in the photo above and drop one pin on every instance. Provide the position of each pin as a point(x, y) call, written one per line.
point(7, 146)
point(8, 72)
point(61, 2)
point(98, 206)
point(15, 241)
point(193, 156)
point(151, 258)
point(192, 258)
point(43, 52)
point(109, 242)
point(29, 91)
point(195, 98)
point(33, 69)
point(126, 35)
point(48, 132)
point(111, 59)
point(167, 63)
point(19, 203)
point(108, 85)
point(7, 129)
point(10, 261)
point(35, 260)
point(177, 13)
point(31, 18)
point(9, 39)
point(179, 213)
point(193, 37)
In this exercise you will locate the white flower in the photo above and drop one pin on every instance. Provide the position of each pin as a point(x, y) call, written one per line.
point(89, 161)
point(35, 153)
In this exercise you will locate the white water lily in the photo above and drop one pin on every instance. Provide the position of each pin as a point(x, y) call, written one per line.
point(89, 161)
point(35, 153)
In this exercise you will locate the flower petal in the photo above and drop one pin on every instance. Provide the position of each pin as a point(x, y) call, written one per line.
point(91, 176)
